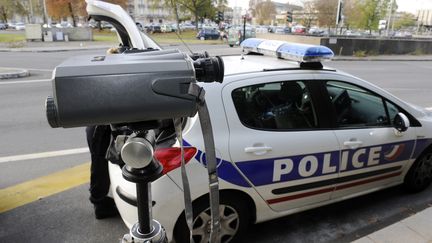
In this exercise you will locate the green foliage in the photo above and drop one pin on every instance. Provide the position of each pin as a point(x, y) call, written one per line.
point(366, 14)
point(359, 53)
point(11, 37)
point(199, 8)
point(9, 7)
point(406, 20)
point(265, 11)
point(326, 15)
point(418, 52)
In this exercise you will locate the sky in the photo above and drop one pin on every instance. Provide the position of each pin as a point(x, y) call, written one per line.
point(404, 5)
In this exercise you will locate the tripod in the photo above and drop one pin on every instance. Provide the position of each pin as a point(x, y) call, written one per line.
point(142, 169)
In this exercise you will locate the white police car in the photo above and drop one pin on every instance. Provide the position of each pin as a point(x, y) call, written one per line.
point(288, 138)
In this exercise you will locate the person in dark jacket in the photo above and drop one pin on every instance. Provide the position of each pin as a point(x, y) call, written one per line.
point(98, 139)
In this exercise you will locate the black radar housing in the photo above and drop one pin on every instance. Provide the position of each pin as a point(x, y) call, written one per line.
point(128, 88)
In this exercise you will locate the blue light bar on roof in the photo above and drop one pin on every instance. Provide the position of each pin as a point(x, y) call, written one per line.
point(287, 50)
point(251, 44)
point(269, 47)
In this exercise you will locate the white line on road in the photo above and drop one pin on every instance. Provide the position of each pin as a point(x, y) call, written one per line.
point(31, 69)
point(39, 69)
point(26, 81)
point(43, 155)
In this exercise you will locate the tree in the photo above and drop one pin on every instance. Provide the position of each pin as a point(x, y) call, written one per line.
point(265, 12)
point(199, 8)
point(309, 13)
point(406, 20)
point(366, 14)
point(326, 14)
point(27, 8)
point(6, 9)
point(59, 9)
point(169, 4)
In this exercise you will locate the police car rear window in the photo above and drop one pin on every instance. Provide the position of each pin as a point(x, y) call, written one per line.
point(276, 106)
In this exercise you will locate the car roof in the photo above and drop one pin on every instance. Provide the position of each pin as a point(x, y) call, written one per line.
point(255, 63)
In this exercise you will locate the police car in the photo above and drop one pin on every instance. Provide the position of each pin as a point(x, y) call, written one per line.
point(289, 136)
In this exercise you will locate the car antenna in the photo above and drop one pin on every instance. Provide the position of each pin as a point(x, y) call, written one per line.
point(178, 36)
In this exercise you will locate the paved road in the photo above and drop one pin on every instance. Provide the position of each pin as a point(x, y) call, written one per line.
point(67, 216)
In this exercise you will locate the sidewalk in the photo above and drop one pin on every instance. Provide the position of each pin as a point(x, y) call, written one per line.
point(414, 229)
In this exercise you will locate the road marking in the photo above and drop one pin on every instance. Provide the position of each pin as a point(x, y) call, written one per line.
point(39, 69)
point(43, 155)
point(30, 191)
point(26, 81)
point(34, 69)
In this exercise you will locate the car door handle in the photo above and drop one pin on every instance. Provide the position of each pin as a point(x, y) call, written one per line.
point(258, 150)
point(353, 144)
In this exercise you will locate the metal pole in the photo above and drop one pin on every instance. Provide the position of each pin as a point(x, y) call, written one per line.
point(244, 28)
point(145, 217)
point(389, 18)
point(31, 12)
point(338, 13)
point(45, 13)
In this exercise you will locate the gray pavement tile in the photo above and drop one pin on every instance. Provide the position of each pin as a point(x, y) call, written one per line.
point(421, 223)
point(365, 239)
point(397, 233)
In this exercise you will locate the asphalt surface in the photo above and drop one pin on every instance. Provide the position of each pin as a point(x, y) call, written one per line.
point(68, 216)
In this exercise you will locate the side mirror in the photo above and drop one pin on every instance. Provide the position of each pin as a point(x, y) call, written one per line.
point(401, 122)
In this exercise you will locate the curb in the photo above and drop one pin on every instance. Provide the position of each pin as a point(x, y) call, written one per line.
point(17, 73)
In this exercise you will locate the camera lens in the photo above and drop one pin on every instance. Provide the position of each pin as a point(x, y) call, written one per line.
point(210, 69)
point(51, 112)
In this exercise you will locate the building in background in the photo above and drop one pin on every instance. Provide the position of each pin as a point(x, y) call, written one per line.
point(145, 11)
point(424, 18)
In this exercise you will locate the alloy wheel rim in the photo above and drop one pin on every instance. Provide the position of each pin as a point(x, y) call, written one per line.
point(424, 172)
point(229, 222)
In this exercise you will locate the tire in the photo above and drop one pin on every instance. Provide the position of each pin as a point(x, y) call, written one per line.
point(231, 45)
point(419, 176)
point(234, 221)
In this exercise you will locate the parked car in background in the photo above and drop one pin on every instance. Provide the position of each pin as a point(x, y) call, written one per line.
point(64, 25)
point(20, 26)
point(3, 26)
point(208, 34)
point(261, 29)
point(174, 27)
point(235, 35)
point(165, 28)
point(154, 29)
point(106, 25)
point(11, 25)
point(187, 26)
point(315, 31)
point(299, 29)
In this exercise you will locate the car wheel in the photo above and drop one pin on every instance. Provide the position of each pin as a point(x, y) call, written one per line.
point(419, 175)
point(234, 219)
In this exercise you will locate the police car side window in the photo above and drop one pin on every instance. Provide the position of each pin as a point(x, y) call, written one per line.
point(275, 106)
point(356, 107)
point(393, 110)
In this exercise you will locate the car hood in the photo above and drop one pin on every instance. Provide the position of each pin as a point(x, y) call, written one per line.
point(127, 30)
point(421, 110)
